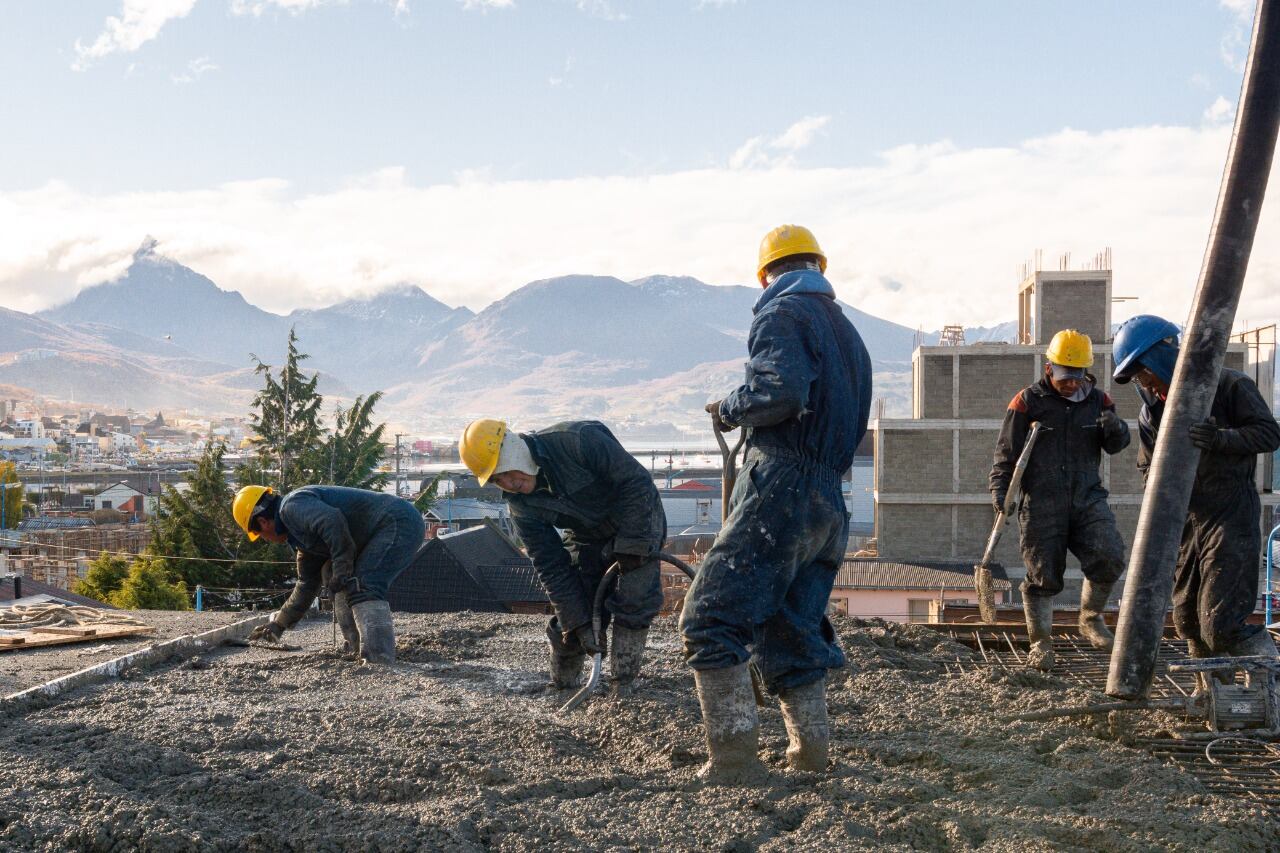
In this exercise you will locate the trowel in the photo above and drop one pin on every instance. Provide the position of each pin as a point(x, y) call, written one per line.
point(982, 580)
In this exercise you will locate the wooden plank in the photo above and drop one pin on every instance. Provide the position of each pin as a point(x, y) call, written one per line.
point(31, 640)
point(75, 631)
point(12, 640)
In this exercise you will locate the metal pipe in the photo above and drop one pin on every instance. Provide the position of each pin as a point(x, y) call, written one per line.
point(1269, 591)
point(1149, 587)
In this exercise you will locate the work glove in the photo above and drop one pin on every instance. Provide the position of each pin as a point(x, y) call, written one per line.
point(268, 633)
point(714, 410)
point(583, 636)
point(1110, 424)
point(1207, 436)
point(997, 501)
point(630, 562)
point(341, 579)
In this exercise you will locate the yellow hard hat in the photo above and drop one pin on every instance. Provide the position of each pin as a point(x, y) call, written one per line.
point(481, 445)
point(785, 241)
point(242, 507)
point(1070, 349)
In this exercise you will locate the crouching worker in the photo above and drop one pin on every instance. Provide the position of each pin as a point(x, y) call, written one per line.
point(353, 541)
point(1215, 584)
point(576, 477)
point(763, 589)
point(1064, 504)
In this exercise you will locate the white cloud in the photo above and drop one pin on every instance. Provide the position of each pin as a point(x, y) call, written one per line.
point(601, 9)
point(945, 225)
point(761, 151)
point(485, 5)
point(195, 69)
point(139, 22)
point(1221, 110)
point(297, 7)
point(1243, 9)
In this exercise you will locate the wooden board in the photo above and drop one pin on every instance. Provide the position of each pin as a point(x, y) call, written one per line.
point(40, 637)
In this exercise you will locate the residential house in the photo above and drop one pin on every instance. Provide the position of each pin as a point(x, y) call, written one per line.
point(121, 496)
point(479, 569)
point(907, 591)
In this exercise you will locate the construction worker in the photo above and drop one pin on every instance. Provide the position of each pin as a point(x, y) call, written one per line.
point(762, 590)
point(1064, 505)
point(352, 541)
point(576, 477)
point(1216, 579)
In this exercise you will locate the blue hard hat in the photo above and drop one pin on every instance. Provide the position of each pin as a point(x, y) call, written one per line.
point(1135, 338)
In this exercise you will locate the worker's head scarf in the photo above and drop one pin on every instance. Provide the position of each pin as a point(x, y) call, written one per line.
point(514, 455)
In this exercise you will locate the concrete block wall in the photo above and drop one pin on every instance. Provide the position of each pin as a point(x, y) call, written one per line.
point(1075, 304)
point(936, 388)
point(977, 449)
point(924, 529)
point(916, 461)
point(989, 381)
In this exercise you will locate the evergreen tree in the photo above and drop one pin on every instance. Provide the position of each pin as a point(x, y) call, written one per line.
point(429, 496)
point(354, 450)
point(203, 544)
point(148, 587)
point(11, 489)
point(286, 419)
point(106, 573)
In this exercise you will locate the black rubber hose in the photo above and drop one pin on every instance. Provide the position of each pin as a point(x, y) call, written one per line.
point(1149, 587)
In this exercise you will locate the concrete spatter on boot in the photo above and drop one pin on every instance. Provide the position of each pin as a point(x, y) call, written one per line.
point(1093, 602)
point(804, 712)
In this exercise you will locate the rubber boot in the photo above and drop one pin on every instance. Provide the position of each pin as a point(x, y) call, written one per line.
point(350, 646)
point(732, 726)
point(1039, 612)
point(377, 633)
point(625, 657)
point(1093, 601)
point(804, 710)
point(1198, 703)
point(566, 670)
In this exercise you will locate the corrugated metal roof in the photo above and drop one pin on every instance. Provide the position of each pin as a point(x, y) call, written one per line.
point(513, 582)
point(54, 523)
point(872, 573)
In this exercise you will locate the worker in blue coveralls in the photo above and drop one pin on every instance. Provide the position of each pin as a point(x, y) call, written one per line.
point(763, 589)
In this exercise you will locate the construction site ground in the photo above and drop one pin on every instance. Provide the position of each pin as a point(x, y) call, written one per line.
point(459, 747)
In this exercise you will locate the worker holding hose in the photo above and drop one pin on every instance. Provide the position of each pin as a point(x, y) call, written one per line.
point(1216, 579)
point(355, 542)
point(577, 478)
point(1064, 504)
point(763, 588)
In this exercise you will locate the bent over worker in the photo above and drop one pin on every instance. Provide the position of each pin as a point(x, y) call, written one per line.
point(353, 541)
point(577, 478)
point(1064, 504)
point(1215, 584)
point(763, 588)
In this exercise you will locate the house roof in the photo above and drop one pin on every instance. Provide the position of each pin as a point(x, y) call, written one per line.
point(33, 589)
point(465, 509)
point(478, 569)
point(54, 522)
point(873, 573)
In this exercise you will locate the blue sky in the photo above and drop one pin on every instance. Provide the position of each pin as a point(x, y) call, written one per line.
point(240, 131)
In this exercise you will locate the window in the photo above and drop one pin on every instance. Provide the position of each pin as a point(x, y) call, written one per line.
point(918, 609)
point(106, 504)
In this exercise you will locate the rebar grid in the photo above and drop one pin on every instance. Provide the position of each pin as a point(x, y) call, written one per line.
point(1242, 767)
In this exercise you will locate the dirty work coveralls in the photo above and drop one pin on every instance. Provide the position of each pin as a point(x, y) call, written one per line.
point(1215, 585)
point(766, 582)
point(1064, 505)
point(370, 534)
point(605, 501)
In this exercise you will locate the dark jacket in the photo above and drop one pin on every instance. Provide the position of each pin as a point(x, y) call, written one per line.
point(1066, 459)
point(589, 485)
point(1250, 429)
point(329, 524)
point(808, 391)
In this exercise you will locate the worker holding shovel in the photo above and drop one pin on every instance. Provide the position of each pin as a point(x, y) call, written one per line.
point(763, 589)
point(1064, 504)
point(364, 539)
point(576, 477)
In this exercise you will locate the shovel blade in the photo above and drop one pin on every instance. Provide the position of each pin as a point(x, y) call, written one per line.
point(985, 587)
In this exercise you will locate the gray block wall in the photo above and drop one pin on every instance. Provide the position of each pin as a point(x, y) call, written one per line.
point(1080, 305)
point(916, 461)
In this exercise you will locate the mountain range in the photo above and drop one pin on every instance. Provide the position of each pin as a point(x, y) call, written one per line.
point(640, 352)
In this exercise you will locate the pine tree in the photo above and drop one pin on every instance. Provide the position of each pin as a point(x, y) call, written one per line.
point(148, 587)
point(106, 573)
point(11, 489)
point(287, 421)
point(354, 450)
